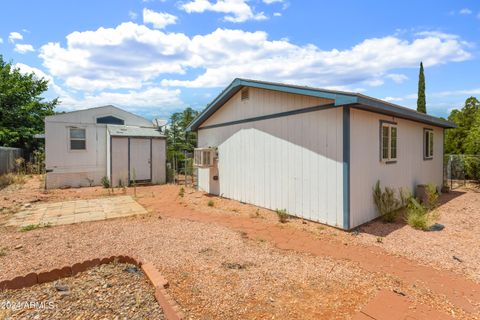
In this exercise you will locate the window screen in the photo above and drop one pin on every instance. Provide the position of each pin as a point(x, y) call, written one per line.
point(77, 139)
point(428, 144)
point(389, 144)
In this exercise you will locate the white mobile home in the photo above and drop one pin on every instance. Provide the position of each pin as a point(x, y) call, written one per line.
point(82, 147)
point(317, 153)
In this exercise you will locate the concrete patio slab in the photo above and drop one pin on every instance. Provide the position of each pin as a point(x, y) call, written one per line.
point(77, 211)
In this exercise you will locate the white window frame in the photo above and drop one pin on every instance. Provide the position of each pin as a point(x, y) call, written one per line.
point(204, 157)
point(428, 144)
point(389, 158)
point(76, 139)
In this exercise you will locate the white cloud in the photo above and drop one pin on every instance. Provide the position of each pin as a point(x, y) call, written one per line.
point(277, 14)
point(131, 56)
point(1, 40)
point(163, 100)
point(159, 20)
point(393, 99)
point(397, 78)
point(233, 53)
point(23, 48)
point(13, 36)
point(467, 92)
point(114, 58)
point(236, 10)
point(465, 11)
point(26, 69)
point(132, 15)
point(374, 82)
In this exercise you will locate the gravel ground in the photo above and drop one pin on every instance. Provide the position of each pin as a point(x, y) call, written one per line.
point(455, 248)
point(459, 212)
point(113, 291)
point(217, 273)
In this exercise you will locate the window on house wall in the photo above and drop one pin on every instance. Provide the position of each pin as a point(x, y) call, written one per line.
point(388, 141)
point(427, 144)
point(110, 120)
point(78, 140)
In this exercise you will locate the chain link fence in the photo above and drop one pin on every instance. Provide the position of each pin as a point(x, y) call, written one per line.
point(461, 170)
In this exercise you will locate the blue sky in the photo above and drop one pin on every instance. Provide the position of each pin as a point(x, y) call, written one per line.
point(155, 57)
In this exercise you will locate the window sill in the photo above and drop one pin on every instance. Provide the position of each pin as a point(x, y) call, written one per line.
point(389, 161)
point(426, 159)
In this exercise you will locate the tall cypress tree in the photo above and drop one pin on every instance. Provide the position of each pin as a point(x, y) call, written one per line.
point(421, 100)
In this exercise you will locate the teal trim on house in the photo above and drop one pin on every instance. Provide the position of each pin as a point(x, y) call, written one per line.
point(346, 167)
point(339, 98)
point(271, 116)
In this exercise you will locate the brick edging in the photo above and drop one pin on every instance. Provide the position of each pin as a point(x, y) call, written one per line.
point(170, 307)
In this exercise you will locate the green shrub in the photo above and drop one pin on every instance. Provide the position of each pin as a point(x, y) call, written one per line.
point(181, 193)
point(432, 196)
point(418, 216)
point(472, 167)
point(105, 182)
point(210, 203)
point(387, 203)
point(282, 215)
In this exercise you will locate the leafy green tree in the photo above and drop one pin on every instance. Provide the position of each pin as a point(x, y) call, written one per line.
point(421, 100)
point(472, 142)
point(179, 140)
point(22, 108)
point(464, 138)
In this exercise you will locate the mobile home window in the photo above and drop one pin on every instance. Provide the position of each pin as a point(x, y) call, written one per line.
point(428, 144)
point(77, 139)
point(388, 140)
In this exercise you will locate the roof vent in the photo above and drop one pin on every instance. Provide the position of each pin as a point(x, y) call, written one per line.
point(245, 94)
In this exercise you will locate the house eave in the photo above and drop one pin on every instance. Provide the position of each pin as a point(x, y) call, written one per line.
point(339, 98)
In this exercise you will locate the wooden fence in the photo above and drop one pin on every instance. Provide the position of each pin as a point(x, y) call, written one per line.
point(8, 157)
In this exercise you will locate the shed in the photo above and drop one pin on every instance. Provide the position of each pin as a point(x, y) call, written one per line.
point(316, 153)
point(83, 147)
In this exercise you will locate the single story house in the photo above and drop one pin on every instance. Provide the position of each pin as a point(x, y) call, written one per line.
point(82, 147)
point(316, 153)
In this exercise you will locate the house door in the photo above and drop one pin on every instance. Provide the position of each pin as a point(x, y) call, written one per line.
point(140, 159)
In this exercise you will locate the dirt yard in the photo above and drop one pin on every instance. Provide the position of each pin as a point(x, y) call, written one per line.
point(228, 260)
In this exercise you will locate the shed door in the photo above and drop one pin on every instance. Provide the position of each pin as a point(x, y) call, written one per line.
point(140, 159)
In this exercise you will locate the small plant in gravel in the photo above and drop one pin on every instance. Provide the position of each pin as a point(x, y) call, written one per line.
point(211, 203)
point(105, 182)
point(30, 227)
point(380, 239)
point(3, 252)
point(181, 193)
point(432, 196)
point(418, 216)
point(387, 203)
point(282, 215)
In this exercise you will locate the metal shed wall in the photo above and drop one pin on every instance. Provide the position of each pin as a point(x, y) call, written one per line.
point(293, 162)
point(366, 168)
